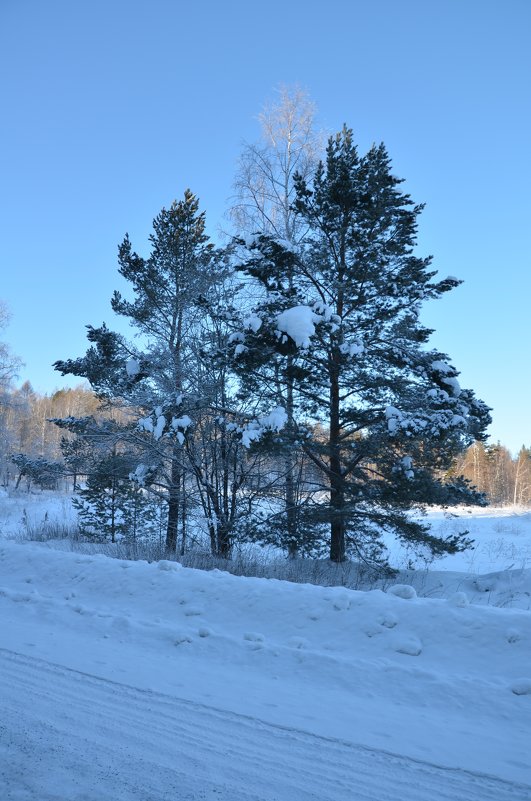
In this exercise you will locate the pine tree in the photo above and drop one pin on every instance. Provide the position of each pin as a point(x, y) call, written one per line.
point(268, 370)
point(157, 383)
point(110, 506)
point(392, 412)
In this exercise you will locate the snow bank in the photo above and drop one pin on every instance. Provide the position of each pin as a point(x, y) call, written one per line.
point(444, 683)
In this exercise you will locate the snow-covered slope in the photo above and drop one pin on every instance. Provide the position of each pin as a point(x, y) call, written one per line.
point(129, 681)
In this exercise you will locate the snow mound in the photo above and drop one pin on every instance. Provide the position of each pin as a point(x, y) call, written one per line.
point(459, 599)
point(405, 591)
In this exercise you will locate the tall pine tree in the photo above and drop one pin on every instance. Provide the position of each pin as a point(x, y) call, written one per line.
point(392, 413)
point(157, 382)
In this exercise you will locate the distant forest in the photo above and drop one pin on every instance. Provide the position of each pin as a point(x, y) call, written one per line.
point(26, 431)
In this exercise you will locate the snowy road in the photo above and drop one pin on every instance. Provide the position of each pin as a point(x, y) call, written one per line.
point(63, 731)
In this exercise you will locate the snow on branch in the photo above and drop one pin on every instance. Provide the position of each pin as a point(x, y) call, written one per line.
point(299, 324)
point(253, 431)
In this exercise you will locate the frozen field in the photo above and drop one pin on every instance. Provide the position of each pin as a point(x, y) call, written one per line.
point(153, 682)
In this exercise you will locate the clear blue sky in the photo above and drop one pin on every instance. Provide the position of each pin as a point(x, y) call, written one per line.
point(111, 108)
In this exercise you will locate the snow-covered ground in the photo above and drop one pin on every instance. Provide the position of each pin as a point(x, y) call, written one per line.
point(153, 682)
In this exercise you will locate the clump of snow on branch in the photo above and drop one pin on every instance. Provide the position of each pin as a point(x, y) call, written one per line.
point(141, 475)
point(405, 467)
point(352, 348)
point(285, 244)
point(274, 421)
point(253, 322)
point(394, 418)
point(237, 336)
point(299, 324)
point(179, 425)
point(159, 425)
point(434, 422)
point(132, 367)
point(446, 374)
point(406, 464)
point(326, 313)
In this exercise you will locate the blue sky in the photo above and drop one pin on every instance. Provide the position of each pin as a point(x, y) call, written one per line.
point(111, 109)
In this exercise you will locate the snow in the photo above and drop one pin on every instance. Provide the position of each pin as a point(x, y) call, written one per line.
point(287, 244)
point(132, 367)
point(146, 424)
point(352, 348)
point(159, 427)
point(275, 420)
point(404, 591)
point(447, 376)
point(181, 423)
point(140, 474)
point(253, 322)
point(129, 680)
point(299, 324)
point(394, 417)
point(406, 464)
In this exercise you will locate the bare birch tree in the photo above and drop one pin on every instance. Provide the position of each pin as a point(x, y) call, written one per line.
point(289, 143)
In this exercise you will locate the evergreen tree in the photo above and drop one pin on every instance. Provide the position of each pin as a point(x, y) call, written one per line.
point(110, 506)
point(39, 470)
point(160, 383)
point(392, 412)
point(268, 369)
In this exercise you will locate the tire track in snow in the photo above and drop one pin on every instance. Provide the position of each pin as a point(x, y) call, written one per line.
point(71, 736)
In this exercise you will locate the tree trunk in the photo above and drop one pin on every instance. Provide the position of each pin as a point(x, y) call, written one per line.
point(337, 497)
point(174, 502)
point(290, 499)
point(183, 524)
point(223, 544)
point(337, 525)
point(291, 511)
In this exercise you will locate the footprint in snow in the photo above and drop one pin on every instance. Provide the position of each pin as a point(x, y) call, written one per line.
point(253, 636)
point(388, 620)
point(341, 602)
point(410, 646)
point(19, 597)
point(521, 687)
point(298, 642)
point(513, 635)
point(182, 639)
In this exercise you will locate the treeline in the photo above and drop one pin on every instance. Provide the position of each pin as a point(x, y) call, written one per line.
point(26, 430)
point(503, 478)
